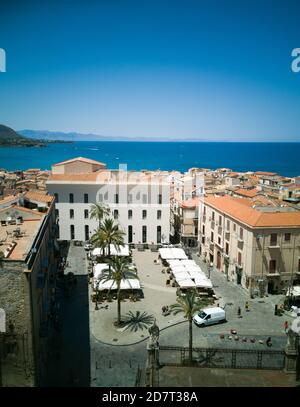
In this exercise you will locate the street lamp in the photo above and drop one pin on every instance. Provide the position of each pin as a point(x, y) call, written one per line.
point(210, 267)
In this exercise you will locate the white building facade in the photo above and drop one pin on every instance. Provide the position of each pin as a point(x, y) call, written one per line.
point(138, 201)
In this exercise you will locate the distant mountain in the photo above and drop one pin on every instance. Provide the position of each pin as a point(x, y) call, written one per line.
point(8, 137)
point(73, 136)
point(8, 134)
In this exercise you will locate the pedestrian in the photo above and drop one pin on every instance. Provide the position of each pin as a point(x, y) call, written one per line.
point(269, 341)
point(246, 306)
point(239, 312)
point(286, 326)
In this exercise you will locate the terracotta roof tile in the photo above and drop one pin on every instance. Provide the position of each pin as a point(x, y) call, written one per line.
point(86, 160)
point(251, 216)
point(38, 196)
point(250, 193)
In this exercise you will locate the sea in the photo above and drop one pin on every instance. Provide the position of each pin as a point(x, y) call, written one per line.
point(282, 158)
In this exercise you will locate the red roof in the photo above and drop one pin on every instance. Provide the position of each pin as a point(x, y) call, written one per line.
point(249, 193)
point(82, 159)
point(251, 216)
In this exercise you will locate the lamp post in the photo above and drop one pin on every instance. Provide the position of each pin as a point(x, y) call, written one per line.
point(210, 267)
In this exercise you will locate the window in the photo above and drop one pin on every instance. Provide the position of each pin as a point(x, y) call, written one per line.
point(213, 215)
point(116, 214)
point(130, 234)
point(227, 248)
point(129, 214)
point(298, 265)
point(86, 214)
point(144, 234)
point(56, 197)
point(204, 210)
point(158, 234)
point(86, 198)
point(86, 232)
point(272, 266)
point(228, 225)
point(160, 198)
point(212, 236)
point(158, 214)
point(203, 230)
point(234, 227)
point(72, 232)
point(219, 240)
point(220, 220)
point(241, 233)
point(144, 214)
point(239, 258)
point(287, 237)
point(71, 198)
point(116, 198)
point(273, 239)
point(71, 213)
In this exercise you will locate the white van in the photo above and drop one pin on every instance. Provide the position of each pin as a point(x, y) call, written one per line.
point(209, 316)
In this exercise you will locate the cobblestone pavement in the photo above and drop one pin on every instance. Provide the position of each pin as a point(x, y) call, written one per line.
point(115, 365)
point(85, 360)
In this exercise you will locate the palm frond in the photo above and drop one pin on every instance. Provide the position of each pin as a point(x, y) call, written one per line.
point(138, 321)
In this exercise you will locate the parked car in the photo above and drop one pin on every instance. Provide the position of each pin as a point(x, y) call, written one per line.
point(209, 316)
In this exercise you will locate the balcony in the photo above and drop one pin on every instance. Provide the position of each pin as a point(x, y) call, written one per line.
point(273, 245)
point(274, 273)
point(220, 245)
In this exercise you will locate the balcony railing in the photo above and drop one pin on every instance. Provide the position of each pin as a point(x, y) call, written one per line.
point(274, 245)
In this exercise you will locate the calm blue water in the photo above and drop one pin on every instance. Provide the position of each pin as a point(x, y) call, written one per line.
point(283, 158)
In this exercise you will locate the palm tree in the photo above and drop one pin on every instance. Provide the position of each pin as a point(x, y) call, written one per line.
point(118, 270)
point(98, 240)
point(98, 211)
point(111, 234)
point(139, 320)
point(189, 304)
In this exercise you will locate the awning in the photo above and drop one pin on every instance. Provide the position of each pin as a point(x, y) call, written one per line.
point(295, 291)
point(114, 251)
point(128, 284)
point(172, 253)
point(188, 283)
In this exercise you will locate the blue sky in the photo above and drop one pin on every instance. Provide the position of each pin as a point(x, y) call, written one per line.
point(215, 70)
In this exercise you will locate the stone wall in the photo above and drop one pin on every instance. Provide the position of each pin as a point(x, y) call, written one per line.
point(16, 343)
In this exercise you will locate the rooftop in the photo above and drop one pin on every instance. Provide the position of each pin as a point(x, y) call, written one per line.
point(252, 216)
point(250, 193)
point(109, 176)
point(190, 203)
point(82, 159)
point(265, 173)
point(38, 197)
point(17, 244)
